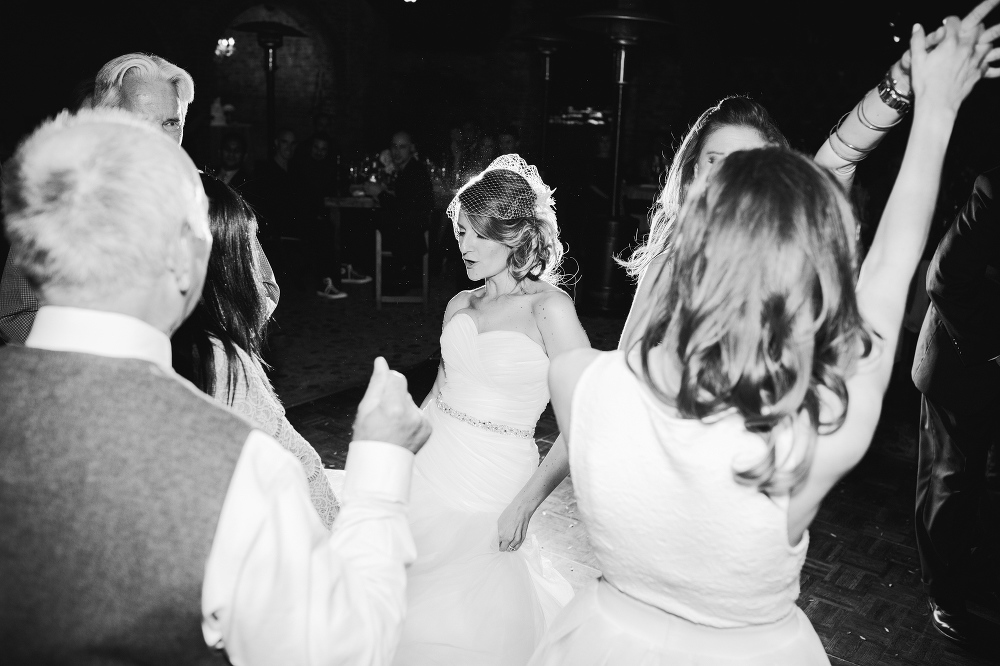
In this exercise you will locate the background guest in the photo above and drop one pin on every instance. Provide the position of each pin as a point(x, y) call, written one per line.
point(232, 168)
point(406, 203)
point(955, 369)
point(314, 171)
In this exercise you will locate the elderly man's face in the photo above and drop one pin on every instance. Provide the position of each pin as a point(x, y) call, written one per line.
point(401, 149)
point(156, 102)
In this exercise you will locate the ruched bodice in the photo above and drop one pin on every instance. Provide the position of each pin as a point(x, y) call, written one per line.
point(496, 376)
point(468, 602)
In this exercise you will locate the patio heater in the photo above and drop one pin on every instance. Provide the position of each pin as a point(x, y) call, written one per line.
point(624, 27)
point(271, 36)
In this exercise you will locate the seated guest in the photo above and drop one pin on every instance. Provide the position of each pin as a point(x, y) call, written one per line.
point(406, 203)
point(314, 171)
point(276, 195)
point(219, 346)
point(157, 91)
point(141, 521)
point(700, 457)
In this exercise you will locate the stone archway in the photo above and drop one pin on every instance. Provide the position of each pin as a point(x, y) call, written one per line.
point(305, 81)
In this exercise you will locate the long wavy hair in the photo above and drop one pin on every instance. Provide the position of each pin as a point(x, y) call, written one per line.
point(232, 308)
point(535, 249)
point(733, 111)
point(759, 305)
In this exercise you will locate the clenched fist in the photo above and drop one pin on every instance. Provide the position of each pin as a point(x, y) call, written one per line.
point(388, 414)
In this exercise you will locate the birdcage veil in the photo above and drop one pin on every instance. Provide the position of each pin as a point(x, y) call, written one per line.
point(492, 202)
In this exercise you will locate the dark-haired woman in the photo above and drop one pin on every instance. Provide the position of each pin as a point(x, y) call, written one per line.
point(476, 595)
point(700, 457)
point(739, 123)
point(218, 348)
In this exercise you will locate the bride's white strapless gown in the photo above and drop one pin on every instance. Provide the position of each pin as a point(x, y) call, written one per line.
point(468, 603)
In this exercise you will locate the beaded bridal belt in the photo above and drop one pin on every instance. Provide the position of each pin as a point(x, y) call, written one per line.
point(499, 428)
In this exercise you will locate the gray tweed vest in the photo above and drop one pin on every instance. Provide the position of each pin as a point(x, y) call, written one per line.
point(112, 477)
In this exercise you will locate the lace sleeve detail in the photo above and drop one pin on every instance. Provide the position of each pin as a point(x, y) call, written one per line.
point(255, 401)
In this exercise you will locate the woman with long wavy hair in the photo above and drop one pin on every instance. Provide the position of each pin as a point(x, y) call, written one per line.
point(218, 348)
point(700, 456)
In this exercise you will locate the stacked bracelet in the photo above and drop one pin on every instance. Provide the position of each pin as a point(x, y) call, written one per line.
point(870, 125)
point(835, 132)
point(890, 95)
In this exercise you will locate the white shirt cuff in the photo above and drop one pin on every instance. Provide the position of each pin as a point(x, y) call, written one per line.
point(379, 470)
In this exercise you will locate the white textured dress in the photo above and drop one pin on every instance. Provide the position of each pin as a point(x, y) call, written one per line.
point(467, 602)
point(697, 568)
point(254, 400)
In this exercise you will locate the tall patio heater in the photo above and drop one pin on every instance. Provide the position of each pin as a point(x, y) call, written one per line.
point(271, 36)
point(624, 27)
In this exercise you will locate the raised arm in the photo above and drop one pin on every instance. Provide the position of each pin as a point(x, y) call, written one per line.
point(942, 78)
point(642, 304)
point(561, 332)
point(860, 130)
point(278, 588)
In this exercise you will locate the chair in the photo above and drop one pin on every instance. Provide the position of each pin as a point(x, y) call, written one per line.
point(381, 254)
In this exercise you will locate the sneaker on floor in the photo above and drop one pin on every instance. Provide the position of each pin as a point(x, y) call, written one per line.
point(350, 276)
point(329, 291)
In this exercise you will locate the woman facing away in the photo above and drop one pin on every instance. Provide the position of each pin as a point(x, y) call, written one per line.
point(700, 457)
point(475, 595)
point(739, 123)
point(218, 348)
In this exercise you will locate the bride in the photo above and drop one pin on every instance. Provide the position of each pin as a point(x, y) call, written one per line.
point(479, 593)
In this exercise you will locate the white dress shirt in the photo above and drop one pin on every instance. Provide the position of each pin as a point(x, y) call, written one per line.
point(279, 588)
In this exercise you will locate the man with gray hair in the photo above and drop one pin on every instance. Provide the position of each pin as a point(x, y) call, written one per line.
point(140, 521)
point(159, 92)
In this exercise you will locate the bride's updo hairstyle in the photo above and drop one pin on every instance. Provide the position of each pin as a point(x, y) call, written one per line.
point(759, 305)
point(508, 203)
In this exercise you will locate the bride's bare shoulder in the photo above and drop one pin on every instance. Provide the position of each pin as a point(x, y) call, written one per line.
point(460, 301)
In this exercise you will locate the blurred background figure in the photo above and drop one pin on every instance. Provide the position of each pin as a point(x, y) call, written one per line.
point(509, 140)
point(314, 171)
point(232, 161)
point(406, 203)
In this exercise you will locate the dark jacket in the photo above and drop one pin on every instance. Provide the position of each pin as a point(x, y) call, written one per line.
point(960, 337)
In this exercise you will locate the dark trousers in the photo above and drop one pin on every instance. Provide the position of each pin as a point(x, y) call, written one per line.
point(951, 490)
point(322, 238)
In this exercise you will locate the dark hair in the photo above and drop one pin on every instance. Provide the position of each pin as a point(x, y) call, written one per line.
point(535, 250)
point(758, 303)
point(232, 308)
point(731, 111)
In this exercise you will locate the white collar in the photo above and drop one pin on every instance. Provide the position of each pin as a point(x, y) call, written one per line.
point(97, 332)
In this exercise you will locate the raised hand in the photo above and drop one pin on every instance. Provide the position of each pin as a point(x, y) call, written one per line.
point(901, 69)
point(387, 414)
point(945, 75)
